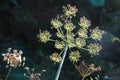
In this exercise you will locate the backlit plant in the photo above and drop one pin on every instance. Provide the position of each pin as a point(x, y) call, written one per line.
point(68, 38)
point(13, 59)
point(32, 75)
point(85, 70)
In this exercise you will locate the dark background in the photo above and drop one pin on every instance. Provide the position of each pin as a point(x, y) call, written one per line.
point(20, 21)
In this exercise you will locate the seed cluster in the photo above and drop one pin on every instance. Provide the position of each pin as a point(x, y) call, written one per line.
point(68, 36)
point(13, 59)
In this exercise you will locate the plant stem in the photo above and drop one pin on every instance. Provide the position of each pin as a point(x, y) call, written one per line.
point(8, 73)
point(83, 78)
point(61, 64)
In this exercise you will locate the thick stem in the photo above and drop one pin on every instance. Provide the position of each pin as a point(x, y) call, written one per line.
point(61, 64)
point(8, 73)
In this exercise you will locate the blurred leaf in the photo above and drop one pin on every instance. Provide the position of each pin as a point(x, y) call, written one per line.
point(114, 38)
point(97, 3)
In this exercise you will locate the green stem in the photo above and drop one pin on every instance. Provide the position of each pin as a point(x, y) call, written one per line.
point(61, 64)
point(84, 49)
point(8, 73)
point(52, 40)
point(61, 52)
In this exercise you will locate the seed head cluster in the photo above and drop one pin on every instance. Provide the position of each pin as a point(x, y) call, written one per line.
point(68, 36)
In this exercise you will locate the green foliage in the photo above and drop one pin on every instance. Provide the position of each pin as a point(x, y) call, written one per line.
point(114, 38)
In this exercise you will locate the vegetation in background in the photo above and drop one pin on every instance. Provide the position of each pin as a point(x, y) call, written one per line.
point(19, 24)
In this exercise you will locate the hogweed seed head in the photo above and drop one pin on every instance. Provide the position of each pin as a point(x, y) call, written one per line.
point(59, 45)
point(69, 26)
point(68, 36)
point(82, 33)
point(84, 22)
point(55, 57)
point(94, 49)
point(70, 40)
point(86, 70)
point(80, 42)
point(56, 23)
point(70, 11)
point(96, 34)
point(44, 36)
point(74, 56)
point(13, 59)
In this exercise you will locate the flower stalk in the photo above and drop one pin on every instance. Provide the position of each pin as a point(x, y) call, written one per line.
point(8, 73)
point(61, 63)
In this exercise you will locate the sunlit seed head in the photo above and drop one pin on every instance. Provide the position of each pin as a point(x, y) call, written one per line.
point(96, 34)
point(94, 49)
point(80, 42)
point(74, 56)
point(84, 22)
point(44, 36)
point(70, 11)
point(69, 26)
point(56, 23)
point(13, 59)
point(55, 57)
point(82, 33)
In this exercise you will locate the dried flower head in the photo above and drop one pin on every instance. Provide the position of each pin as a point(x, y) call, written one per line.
point(14, 58)
point(32, 75)
point(70, 11)
point(56, 23)
point(92, 67)
point(85, 70)
point(94, 49)
point(44, 36)
point(74, 56)
point(96, 34)
point(55, 57)
point(84, 22)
